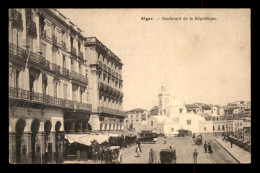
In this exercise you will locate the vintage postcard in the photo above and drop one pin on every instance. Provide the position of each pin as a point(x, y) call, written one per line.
point(129, 86)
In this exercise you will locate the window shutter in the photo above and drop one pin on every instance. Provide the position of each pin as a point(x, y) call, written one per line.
point(44, 50)
point(14, 37)
point(65, 90)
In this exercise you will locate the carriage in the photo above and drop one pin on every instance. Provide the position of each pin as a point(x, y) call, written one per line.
point(167, 156)
point(147, 136)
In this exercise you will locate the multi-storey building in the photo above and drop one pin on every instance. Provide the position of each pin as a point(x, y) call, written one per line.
point(192, 108)
point(241, 107)
point(47, 84)
point(137, 119)
point(105, 87)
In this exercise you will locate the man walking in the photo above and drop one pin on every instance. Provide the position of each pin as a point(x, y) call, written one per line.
point(209, 148)
point(195, 155)
point(231, 142)
point(205, 147)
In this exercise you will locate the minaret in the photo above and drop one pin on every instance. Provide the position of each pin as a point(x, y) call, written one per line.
point(163, 97)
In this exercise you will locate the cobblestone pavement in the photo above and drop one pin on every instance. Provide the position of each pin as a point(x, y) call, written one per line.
point(240, 154)
point(184, 147)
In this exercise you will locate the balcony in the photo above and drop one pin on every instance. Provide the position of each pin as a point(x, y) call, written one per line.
point(56, 68)
point(104, 67)
point(43, 34)
point(16, 18)
point(82, 106)
point(73, 51)
point(31, 28)
point(17, 51)
point(65, 72)
point(109, 70)
point(63, 45)
point(45, 63)
point(79, 77)
point(18, 93)
point(35, 58)
point(81, 55)
point(54, 40)
point(106, 110)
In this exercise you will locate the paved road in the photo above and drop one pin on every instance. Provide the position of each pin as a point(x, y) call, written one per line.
point(184, 147)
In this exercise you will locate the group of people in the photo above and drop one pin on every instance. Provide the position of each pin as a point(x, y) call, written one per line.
point(208, 147)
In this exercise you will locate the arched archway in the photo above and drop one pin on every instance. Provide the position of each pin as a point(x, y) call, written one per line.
point(58, 143)
point(47, 141)
point(19, 129)
point(34, 128)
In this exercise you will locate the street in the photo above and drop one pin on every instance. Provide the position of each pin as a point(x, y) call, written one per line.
point(184, 147)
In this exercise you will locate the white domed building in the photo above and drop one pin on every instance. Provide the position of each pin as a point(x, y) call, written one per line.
point(172, 116)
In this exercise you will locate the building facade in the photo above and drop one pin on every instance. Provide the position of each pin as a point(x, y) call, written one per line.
point(47, 84)
point(137, 119)
point(105, 87)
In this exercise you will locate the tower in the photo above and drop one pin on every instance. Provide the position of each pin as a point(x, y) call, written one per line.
point(163, 97)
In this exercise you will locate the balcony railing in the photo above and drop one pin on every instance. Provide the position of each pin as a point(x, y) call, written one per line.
point(54, 40)
point(43, 34)
point(65, 72)
point(35, 58)
point(16, 18)
point(56, 68)
point(109, 70)
point(81, 55)
point(15, 50)
point(82, 106)
point(45, 63)
point(104, 67)
point(102, 109)
point(73, 51)
point(100, 64)
point(63, 44)
point(31, 28)
point(38, 97)
point(79, 77)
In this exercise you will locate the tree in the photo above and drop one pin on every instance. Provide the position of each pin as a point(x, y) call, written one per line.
point(95, 148)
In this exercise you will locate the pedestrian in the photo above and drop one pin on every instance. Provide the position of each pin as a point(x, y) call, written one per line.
point(24, 159)
point(38, 156)
point(78, 155)
point(120, 157)
point(205, 147)
point(193, 137)
point(195, 155)
point(151, 156)
point(174, 157)
point(139, 145)
point(209, 148)
point(231, 142)
point(137, 151)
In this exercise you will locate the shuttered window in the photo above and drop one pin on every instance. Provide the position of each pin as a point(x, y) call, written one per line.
point(15, 37)
point(55, 89)
point(43, 50)
point(65, 91)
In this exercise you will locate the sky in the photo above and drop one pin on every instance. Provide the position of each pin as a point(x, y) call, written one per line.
point(200, 61)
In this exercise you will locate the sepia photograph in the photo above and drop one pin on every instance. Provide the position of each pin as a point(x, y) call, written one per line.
point(129, 86)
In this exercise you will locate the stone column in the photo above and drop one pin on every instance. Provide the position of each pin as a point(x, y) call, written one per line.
point(68, 43)
point(24, 28)
point(10, 27)
point(38, 40)
point(39, 83)
point(94, 122)
point(69, 91)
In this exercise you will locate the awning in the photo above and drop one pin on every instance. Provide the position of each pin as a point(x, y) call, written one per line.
point(86, 139)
